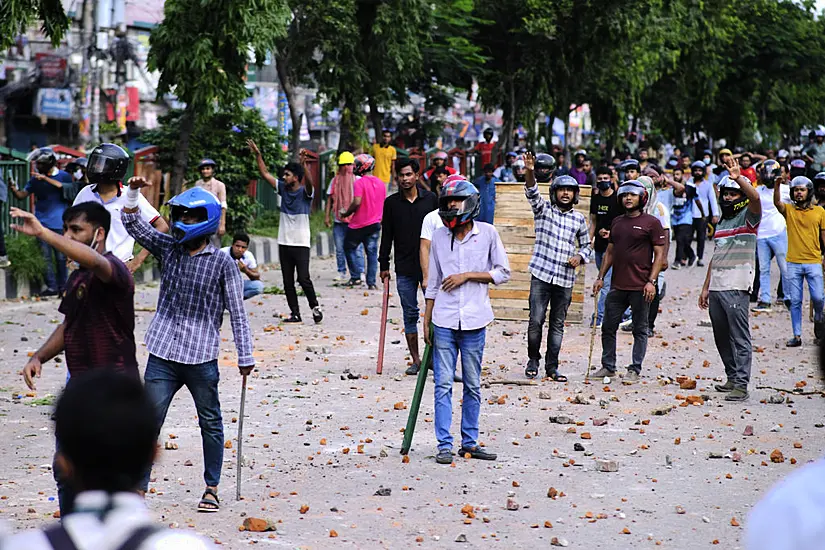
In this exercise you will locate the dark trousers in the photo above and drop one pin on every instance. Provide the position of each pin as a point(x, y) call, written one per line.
point(653, 312)
point(558, 297)
point(2, 241)
point(617, 301)
point(683, 234)
point(296, 258)
point(732, 333)
point(700, 227)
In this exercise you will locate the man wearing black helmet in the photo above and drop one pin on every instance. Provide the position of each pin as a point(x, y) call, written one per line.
point(636, 254)
point(727, 288)
point(47, 185)
point(465, 257)
point(806, 231)
point(562, 245)
point(208, 181)
point(772, 239)
point(106, 170)
point(704, 205)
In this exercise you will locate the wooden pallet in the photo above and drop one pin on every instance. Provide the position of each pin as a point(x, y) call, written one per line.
point(514, 222)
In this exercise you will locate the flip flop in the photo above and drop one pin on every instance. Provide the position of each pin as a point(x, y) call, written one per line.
point(555, 376)
point(209, 506)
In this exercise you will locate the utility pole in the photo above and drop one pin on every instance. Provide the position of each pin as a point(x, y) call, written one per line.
point(87, 43)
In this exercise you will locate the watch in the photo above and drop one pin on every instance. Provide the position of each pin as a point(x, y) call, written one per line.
point(652, 282)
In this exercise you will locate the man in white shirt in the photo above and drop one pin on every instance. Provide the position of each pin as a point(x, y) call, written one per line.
point(705, 207)
point(106, 169)
point(772, 236)
point(105, 425)
point(239, 251)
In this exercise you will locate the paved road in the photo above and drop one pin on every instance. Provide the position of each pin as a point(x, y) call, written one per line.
point(316, 440)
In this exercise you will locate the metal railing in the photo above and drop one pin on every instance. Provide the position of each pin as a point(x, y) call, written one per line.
point(18, 171)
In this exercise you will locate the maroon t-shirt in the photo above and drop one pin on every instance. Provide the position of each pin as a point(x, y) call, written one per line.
point(100, 321)
point(633, 240)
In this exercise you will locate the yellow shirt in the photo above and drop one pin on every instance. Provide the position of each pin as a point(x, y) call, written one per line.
point(383, 161)
point(804, 228)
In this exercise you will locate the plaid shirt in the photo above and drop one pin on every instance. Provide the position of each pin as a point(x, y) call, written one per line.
point(557, 234)
point(194, 291)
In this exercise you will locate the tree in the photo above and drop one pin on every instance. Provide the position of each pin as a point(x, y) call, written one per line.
point(222, 137)
point(202, 49)
point(16, 16)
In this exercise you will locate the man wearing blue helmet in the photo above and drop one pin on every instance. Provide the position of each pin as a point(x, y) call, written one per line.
point(197, 284)
point(465, 257)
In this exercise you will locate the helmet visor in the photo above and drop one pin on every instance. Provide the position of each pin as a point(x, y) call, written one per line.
point(632, 189)
point(101, 164)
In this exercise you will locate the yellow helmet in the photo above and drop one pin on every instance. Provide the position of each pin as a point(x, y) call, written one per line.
point(345, 158)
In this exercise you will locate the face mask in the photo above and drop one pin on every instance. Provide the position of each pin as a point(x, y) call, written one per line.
point(731, 207)
point(78, 174)
point(603, 185)
point(706, 160)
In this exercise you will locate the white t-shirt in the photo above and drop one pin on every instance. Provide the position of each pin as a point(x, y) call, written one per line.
point(248, 258)
point(792, 515)
point(432, 221)
point(662, 213)
point(118, 241)
point(773, 223)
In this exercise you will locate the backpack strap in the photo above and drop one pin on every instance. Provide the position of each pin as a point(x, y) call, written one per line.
point(59, 538)
point(139, 536)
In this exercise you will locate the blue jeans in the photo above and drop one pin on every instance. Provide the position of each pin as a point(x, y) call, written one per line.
point(163, 379)
point(605, 289)
point(339, 233)
point(50, 256)
point(367, 236)
point(797, 273)
point(447, 344)
point(765, 250)
point(408, 295)
point(252, 288)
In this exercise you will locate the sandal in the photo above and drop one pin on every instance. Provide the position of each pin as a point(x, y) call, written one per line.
point(207, 505)
point(532, 369)
point(555, 376)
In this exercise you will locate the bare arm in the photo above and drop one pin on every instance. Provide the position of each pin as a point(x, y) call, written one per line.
point(252, 272)
point(777, 197)
point(424, 258)
point(593, 218)
point(353, 207)
point(51, 181)
point(703, 296)
point(52, 346)
point(309, 187)
point(19, 193)
point(259, 159)
point(607, 261)
point(658, 258)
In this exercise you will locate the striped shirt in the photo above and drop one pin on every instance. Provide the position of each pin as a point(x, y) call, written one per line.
point(194, 291)
point(558, 235)
point(734, 259)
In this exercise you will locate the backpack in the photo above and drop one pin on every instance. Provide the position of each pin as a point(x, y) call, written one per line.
point(60, 539)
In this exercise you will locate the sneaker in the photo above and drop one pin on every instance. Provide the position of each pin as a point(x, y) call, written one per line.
point(780, 301)
point(762, 307)
point(737, 394)
point(602, 372)
point(477, 453)
point(794, 342)
point(48, 293)
point(724, 388)
point(4, 262)
point(444, 456)
point(317, 315)
point(690, 262)
point(293, 319)
point(627, 326)
point(341, 278)
point(631, 376)
point(676, 265)
point(819, 329)
point(412, 370)
point(372, 287)
point(700, 263)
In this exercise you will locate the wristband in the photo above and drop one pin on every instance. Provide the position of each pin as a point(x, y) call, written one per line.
point(132, 196)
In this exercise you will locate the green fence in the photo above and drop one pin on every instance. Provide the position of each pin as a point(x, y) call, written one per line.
point(267, 197)
point(14, 168)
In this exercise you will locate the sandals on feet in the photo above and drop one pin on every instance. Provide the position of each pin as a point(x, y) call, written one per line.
point(555, 376)
point(209, 505)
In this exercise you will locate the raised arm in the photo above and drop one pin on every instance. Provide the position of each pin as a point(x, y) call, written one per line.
point(754, 204)
point(148, 237)
point(531, 188)
point(309, 186)
point(777, 197)
point(259, 158)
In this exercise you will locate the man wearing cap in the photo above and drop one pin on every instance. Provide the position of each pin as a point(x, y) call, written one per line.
point(815, 152)
point(207, 169)
point(704, 205)
point(577, 172)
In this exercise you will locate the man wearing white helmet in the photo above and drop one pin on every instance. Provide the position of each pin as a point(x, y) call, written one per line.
point(729, 279)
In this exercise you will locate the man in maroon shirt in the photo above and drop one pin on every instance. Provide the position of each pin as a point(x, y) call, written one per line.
point(99, 324)
point(639, 241)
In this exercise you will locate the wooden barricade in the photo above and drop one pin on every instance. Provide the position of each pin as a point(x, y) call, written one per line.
point(514, 222)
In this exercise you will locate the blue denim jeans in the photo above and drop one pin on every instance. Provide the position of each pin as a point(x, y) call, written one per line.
point(367, 236)
point(252, 288)
point(50, 256)
point(407, 288)
point(446, 346)
point(163, 379)
point(797, 274)
point(605, 289)
point(766, 249)
point(339, 233)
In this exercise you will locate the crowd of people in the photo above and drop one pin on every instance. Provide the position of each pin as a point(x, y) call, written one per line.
point(438, 231)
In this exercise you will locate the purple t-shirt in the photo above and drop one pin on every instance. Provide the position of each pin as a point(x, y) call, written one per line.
point(579, 176)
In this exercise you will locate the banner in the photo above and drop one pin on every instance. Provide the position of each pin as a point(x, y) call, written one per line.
point(54, 103)
point(52, 69)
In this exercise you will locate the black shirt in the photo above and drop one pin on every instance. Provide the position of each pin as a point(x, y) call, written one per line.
point(401, 228)
point(605, 209)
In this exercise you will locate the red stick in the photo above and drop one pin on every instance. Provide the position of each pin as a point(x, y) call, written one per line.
point(383, 335)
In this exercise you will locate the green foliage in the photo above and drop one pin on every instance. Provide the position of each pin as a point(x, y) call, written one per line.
point(222, 137)
point(26, 259)
point(16, 16)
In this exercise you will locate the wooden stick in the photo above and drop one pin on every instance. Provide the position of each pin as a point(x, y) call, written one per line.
point(383, 328)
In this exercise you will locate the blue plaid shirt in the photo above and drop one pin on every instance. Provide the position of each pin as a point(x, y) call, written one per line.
point(194, 291)
point(558, 234)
